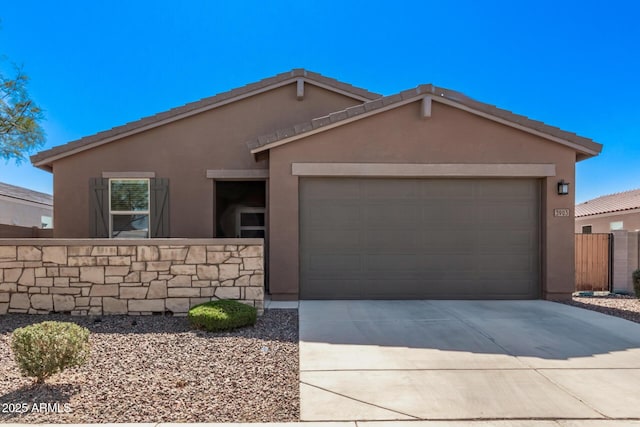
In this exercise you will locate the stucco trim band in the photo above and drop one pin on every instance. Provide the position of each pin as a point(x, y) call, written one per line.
point(128, 174)
point(412, 170)
point(237, 173)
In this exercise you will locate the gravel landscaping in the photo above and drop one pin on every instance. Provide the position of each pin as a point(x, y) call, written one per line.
point(627, 307)
point(156, 369)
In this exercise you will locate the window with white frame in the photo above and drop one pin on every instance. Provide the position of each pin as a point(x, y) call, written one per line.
point(129, 208)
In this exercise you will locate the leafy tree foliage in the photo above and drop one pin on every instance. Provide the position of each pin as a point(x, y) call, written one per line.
point(20, 131)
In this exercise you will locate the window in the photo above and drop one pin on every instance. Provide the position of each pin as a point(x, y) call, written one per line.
point(46, 221)
point(129, 208)
point(250, 222)
point(586, 229)
point(616, 225)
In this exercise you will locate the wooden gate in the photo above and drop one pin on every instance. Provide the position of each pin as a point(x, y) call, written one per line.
point(594, 262)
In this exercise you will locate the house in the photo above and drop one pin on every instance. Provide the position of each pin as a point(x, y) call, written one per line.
point(422, 194)
point(21, 207)
point(619, 211)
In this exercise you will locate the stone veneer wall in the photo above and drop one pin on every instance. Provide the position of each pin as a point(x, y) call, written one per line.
point(103, 276)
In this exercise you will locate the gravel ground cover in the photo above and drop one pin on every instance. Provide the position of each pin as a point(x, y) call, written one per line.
point(156, 369)
point(627, 307)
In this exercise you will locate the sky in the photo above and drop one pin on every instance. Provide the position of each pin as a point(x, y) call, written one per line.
point(97, 64)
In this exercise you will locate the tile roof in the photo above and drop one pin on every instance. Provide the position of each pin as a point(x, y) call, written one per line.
point(43, 158)
point(22, 193)
point(616, 202)
point(438, 94)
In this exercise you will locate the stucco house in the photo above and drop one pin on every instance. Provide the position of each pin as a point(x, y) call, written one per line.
point(23, 207)
point(618, 211)
point(422, 194)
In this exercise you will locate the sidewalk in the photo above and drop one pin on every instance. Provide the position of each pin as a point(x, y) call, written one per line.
point(484, 423)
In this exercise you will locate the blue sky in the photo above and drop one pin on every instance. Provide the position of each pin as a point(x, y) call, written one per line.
point(571, 64)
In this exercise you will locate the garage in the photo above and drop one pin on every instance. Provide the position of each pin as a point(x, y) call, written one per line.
point(391, 238)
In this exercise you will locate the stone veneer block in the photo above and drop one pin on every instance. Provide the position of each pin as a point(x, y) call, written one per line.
point(196, 255)
point(229, 271)
point(104, 291)
point(252, 263)
point(119, 260)
point(81, 261)
point(173, 254)
point(44, 281)
point(42, 302)
point(67, 291)
point(20, 301)
point(133, 293)
point(27, 277)
point(114, 306)
point(178, 305)
point(104, 251)
point(55, 254)
point(147, 253)
point(79, 250)
point(183, 292)
point(183, 269)
point(62, 303)
point(92, 274)
point(69, 272)
point(209, 272)
point(217, 257)
point(158, 265)
point(138, 266)
point(242, 281)
point(227, 293)
point(179, 281)
point(148, 276)
point(4, 308)
point(251, 251)
point(12, 274)
point(126, 250)
point(157, 289)
point(8, 253)
point(151, 305)
point(254, 293)
point(116, 271)
point(132, 277)
point(256, 280)
point(29, 253)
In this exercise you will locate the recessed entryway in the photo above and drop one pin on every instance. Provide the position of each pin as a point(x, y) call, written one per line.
point(240, 209)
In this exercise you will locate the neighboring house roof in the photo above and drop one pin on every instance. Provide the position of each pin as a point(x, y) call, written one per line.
point(21, 193)
point(585, 146)
point(616, 202)
point(43, 159)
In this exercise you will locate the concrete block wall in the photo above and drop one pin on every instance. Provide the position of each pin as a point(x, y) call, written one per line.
point(625, 259)
point(137, 277)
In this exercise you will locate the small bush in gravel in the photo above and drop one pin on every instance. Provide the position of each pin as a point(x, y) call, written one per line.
point(46, 348)
point(636, 282)
point(222, 315)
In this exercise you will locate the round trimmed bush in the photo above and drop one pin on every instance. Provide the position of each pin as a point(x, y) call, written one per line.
point(45, 348)
point(222, 315)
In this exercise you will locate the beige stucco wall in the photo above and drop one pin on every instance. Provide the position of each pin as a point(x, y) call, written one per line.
point(183, 151)
point(403, 136)
point(602, 223)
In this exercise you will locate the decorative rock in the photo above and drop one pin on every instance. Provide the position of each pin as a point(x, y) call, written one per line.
point(104, 291)
point(29, 253)
point(196, 255)
point(183, 292)
point(207, 272)
point(228, 271)
point(92, 274)
point(62, 303)
point(42, 302)
point(147, 253)
point(19, 301)
point(157, 289)
point(55, 254)
point(114, 306)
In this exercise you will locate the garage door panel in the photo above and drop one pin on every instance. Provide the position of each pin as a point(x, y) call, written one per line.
point(413, 238)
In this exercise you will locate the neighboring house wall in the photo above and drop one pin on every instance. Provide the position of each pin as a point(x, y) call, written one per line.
point(402, 135)
point(104, 276)
point(602, 223)
point(22, 213)
point(183, 151)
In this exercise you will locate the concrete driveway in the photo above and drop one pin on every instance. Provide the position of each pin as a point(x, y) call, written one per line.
point(463, 360)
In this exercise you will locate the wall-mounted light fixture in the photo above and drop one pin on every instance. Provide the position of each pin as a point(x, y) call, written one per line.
point(563, 188)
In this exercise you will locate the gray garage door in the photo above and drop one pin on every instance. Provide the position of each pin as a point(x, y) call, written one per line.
point(419, 238)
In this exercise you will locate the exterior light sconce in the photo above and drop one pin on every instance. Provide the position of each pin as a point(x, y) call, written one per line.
point(563, 188)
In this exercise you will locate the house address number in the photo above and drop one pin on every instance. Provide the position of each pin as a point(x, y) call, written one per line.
point(561, 212)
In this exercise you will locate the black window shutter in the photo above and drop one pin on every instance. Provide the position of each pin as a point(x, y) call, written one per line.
point(98, 207)
point(160, 207)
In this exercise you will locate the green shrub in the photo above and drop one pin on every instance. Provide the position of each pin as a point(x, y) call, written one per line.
point(636, 282)
point(46, 348)
point(222, 315)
